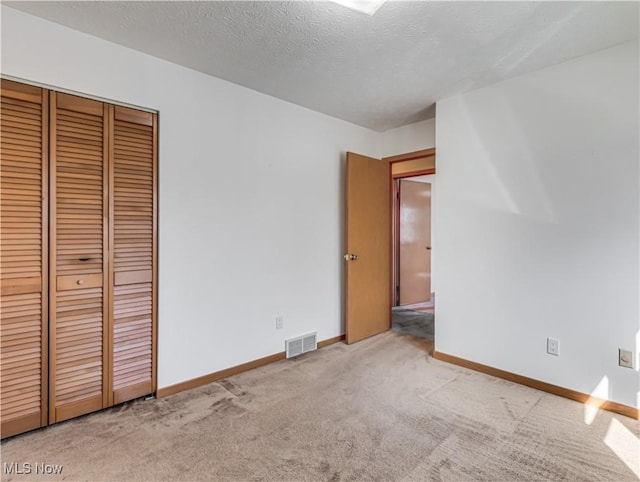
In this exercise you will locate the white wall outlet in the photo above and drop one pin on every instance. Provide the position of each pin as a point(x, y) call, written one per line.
point(625, 358)
point(279, 322)
point(553, 346)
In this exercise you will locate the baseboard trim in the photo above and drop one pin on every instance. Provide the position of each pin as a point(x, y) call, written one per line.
point(227, 372)
point(608, 405)
point(331, 341)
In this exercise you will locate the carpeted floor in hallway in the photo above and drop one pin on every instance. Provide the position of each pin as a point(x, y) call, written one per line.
point(412, 322)
point(381, 409)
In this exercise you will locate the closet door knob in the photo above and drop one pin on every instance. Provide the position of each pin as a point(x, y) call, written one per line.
point(80, 281)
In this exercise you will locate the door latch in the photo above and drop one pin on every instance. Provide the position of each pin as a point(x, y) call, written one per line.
point(351, 257)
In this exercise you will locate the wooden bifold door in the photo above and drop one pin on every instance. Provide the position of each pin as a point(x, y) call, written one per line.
point(24, 159)
point(79, 325)
point(79, 256)
point(132, 272)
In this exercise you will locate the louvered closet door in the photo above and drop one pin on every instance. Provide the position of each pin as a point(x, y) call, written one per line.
point(23, 258)
point(134, 246)
point(79, 204)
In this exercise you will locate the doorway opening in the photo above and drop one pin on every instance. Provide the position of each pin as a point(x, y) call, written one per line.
point(370, 275)
point(413, 300)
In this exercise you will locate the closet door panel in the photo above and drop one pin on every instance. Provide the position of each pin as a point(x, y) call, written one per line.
point(79, 342)
point(23, 257)
point(134, 243)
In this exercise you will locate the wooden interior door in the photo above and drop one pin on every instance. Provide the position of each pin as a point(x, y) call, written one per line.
point(79, 207)
point(368, 259)
point(134, 242)
point(78, 256)
point(23, 257)
point(415, 242)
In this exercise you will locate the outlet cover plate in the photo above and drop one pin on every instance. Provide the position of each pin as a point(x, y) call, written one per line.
point(553, 346)
point(625, 358)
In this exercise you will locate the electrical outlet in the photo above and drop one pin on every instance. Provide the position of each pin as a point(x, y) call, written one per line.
point(279, 322)
point(625, 358)
point(553, 346)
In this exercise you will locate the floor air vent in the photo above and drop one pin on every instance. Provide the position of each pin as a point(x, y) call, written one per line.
point(302, 344)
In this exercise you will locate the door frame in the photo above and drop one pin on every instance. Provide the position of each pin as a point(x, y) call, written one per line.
point(401, 166)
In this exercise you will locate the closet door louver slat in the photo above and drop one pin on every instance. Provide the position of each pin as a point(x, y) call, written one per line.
point(133, 241)
point(79, 346)
point(23, 257)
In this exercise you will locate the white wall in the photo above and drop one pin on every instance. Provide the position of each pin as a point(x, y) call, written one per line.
point(250, 197)
point(409, 138)
point(538, 224)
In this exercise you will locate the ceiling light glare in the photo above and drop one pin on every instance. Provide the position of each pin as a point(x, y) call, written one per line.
point(365, 6)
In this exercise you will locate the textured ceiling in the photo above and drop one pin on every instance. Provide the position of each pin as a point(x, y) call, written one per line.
point(380, 71)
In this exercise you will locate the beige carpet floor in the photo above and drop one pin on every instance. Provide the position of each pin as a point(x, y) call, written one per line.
point(381, 409)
